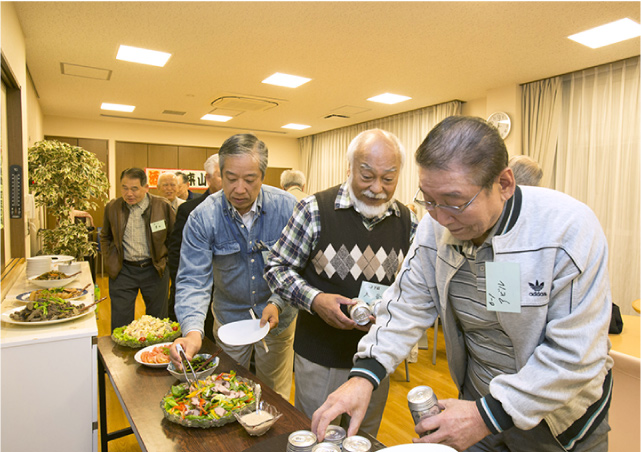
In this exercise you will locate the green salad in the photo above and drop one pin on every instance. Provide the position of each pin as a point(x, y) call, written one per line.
point(146, 331)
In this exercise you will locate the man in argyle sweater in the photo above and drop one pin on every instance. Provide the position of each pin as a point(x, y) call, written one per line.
point(340, 243)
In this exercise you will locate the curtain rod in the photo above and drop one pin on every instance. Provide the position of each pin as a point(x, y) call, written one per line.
point(584, 69)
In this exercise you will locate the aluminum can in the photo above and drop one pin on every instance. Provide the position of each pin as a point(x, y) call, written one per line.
point(422, 403)
point(356, 444)
point(335, 434)
point(326, 447)
point(359, 312)
point(301, 441)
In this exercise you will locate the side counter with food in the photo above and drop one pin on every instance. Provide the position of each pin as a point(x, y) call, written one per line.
point(49, 333)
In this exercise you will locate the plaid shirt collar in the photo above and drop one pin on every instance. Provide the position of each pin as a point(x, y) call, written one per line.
point(344, 201)
point(142, 205)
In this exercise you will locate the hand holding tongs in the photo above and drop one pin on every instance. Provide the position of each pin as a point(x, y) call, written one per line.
point(181, 352)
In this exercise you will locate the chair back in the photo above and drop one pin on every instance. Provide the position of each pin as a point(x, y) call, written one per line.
point(624, 415)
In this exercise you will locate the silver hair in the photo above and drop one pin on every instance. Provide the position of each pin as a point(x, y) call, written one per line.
point(290, 178)
point(526, 170)
point(244, 144)
point(364, 138)
point(211, 164)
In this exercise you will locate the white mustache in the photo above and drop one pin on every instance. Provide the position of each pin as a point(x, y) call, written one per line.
point(372, 195)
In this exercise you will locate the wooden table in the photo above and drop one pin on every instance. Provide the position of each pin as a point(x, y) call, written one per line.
point(140, 390)
point(629, 341)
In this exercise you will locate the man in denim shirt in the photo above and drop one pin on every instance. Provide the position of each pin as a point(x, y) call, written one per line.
point(225, 240)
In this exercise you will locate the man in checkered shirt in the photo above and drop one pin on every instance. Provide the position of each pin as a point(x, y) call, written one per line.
point(340, 244)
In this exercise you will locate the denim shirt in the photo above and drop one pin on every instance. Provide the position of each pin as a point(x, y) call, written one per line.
point(217, 247)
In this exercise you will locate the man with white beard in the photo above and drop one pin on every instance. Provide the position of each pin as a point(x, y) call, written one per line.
point(342, 243)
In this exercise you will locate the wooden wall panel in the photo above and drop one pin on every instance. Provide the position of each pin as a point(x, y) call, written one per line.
point(211, 151)
point(162, 156)
point(272, 176)
point(129, 155)
point(191, 158)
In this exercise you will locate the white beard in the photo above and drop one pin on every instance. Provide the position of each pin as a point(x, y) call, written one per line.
point(365, 209)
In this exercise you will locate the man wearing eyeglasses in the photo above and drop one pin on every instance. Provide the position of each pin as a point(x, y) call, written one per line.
point(344, 242)
point(518, 276)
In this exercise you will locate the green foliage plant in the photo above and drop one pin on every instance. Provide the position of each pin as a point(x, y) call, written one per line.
point(63, 178)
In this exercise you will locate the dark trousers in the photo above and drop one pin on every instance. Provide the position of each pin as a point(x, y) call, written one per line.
point(124, 289)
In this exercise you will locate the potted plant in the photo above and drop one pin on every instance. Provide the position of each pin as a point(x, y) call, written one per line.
point(64, 178)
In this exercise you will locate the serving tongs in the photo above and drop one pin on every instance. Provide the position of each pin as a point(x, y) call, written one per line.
point(185, 363)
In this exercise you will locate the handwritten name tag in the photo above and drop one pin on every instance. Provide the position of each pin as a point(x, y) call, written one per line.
point(158, 226)
point(370, 292)
point(502, 286)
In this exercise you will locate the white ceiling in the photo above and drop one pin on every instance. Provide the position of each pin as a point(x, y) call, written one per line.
point(433, 52)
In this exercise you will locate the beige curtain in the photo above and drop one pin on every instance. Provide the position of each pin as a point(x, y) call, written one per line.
point(325, 152)
point(541, 112)
point(598, 158)
point(583, 128)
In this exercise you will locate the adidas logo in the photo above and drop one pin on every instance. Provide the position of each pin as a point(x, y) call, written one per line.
point(537, 288)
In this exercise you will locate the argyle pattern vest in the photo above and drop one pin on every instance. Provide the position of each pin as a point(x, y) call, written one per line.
point(346, 255)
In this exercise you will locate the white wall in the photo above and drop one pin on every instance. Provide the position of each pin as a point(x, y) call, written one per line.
point(283, 151)
point(13, 49)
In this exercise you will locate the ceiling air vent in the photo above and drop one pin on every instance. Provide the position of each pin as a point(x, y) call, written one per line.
point(174, 112)
point(333, 116)
point(239, 103)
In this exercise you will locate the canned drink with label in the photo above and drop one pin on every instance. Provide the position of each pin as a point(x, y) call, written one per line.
point(326, 447)
point(356, 444)
point(359, 312)
point(422, 403)
point(335, 434)
point(301, 441)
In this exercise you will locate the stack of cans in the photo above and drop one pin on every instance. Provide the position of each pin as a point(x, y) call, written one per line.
point(326, 447)
point(301, 441)
point(356, 444)
point(335, 434)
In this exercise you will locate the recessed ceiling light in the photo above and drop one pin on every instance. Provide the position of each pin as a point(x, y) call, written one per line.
point(143, 56)
point(389, 98)
point(295, 126)
point(117, 107)
point(608, 34)
point(219, 118)
point(289, 81)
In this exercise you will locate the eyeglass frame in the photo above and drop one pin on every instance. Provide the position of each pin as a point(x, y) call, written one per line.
point(431, 206)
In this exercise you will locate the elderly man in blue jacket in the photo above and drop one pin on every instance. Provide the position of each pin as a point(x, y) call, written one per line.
point(225, 240)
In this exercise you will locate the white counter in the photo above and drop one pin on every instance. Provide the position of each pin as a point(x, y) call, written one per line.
point(49, 378)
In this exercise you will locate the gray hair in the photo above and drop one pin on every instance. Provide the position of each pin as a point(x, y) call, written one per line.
point(135, 173)
point(167, 173)
point(244, 144)
point(211, 164)
point(290, 178)
point(526, 170)
point(363, 139)
point(468, 142)
point(182, 176)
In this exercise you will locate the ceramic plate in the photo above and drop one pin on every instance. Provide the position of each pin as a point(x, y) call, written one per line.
point(6, 317)
point(25, 296)
point(52, 283)
point(243, 332)
point(138, 354)
point(419, 447)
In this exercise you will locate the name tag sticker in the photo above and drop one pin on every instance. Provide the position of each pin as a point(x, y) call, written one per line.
point(503, 286)
point(370, 292)
point(158, 226)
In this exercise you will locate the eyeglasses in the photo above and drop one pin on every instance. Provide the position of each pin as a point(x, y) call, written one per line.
point(431, 206)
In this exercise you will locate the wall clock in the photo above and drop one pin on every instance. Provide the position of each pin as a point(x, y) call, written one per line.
point(502, 122)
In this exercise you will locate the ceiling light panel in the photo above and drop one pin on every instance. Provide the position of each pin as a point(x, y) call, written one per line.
point(117, 107)
point(389, 98)
point(217, 118)
point(142, 56)
point(607, 34)
point(295, 126)
point(289, 81)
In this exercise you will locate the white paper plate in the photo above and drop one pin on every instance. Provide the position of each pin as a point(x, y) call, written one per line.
point(243, 332)
point(6, 317)
point(419, 447)
point(148, 349)
point(25, 296)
